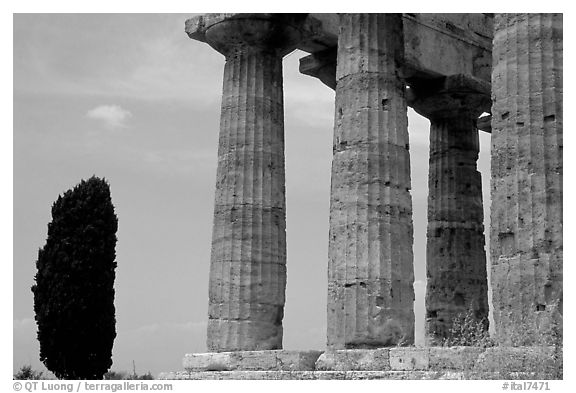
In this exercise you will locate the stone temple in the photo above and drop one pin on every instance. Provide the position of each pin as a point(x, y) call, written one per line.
point(450, 68)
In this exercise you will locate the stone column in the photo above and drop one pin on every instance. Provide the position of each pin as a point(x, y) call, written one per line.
point(370, 271)
point(457, 281)
point(526, 217)
point(248, 263)
point(455, 253)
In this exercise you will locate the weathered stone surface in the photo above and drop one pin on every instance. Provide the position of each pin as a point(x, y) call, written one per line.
point(435, 45)
point(297, 360)
point(345, 375)
point(227, 32)
point(370, 271)
point(213, 361)
point(370, 260)
point(409, 359)
point(540, 362)
point(247, 268)
point(354, 360)
point(515, 359)
point(454, 358)
point(251, 360)
point(455, 254)
point(527, 170)
point(335, 375)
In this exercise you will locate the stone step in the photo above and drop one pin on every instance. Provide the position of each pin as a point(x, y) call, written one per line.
point(459, 362)
point(342, 375)
point(272, 360)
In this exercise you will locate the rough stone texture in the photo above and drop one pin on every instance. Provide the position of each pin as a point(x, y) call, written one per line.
point(251, 360)
point(370, 261)
point(542, 362)
point(354, 360)
point(409, 359)
point(514, 359)
point(434, 45)
point(526, 215)
point(248, 262)
point(455, 254)
point(338, 375)
point(454, 358)
point(370, 270)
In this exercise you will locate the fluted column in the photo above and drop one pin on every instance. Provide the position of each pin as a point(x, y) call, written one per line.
point(248, 262)
point(526, 216)
point(455, 254)
point(370, 271)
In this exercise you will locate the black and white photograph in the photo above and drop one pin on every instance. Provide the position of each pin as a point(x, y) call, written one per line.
point(371, 196)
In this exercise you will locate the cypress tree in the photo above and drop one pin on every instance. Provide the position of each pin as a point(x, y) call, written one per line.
point(74, 289)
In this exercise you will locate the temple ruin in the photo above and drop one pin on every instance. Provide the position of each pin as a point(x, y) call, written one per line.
point(450, 68)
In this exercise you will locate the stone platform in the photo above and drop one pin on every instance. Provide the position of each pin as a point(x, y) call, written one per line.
point(341, 375)
point(382, 363)
point(273, 360)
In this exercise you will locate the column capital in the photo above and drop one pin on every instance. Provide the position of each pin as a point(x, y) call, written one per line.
point(231, 33)
point(450, 96)
point(321, 65)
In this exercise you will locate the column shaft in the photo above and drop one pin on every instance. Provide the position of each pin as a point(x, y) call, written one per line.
point(248, 264)
point(526, 216)
point(370, 271)
point(455, 254)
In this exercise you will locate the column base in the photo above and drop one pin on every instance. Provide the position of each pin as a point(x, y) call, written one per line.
point(534, 362)
point(345, 375)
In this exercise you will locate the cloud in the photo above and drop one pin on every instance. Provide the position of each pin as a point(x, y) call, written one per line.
point(109, 58)
point(113, 116)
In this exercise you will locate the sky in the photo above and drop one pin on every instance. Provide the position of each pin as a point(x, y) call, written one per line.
point(129, 97)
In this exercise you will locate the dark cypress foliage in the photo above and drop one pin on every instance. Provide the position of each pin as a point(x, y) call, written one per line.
point(74, 290)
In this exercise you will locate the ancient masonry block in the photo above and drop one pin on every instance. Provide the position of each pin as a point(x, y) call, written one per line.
point(370, 271)
point(248, 263)
point(454, 358)
point(526, 215)
point(516, 359)
point(383, 363)
point(455, 254)
point(251, 360)
point(354, 360)
point(409, 359)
